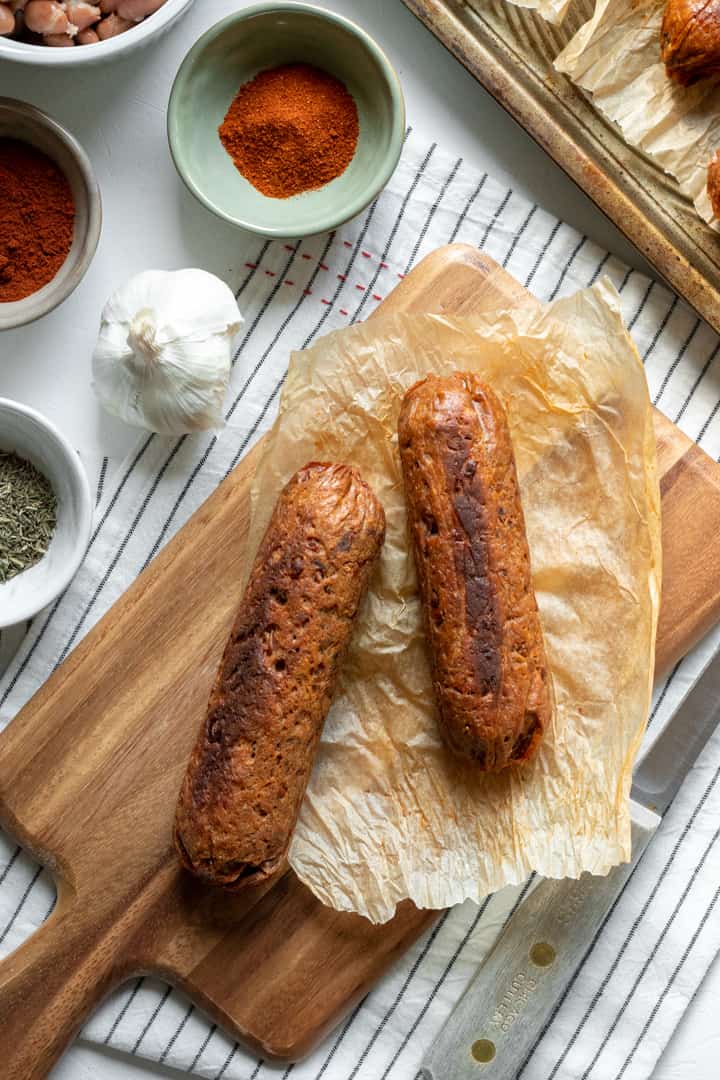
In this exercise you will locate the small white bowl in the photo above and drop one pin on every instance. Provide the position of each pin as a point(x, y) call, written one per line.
point(139, 35)
point(28, 434)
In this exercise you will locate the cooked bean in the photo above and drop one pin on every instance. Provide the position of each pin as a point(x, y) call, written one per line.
point(58, 41)
point(137, 10)
point(82, 14)
point(7, 20)
point(87, 37)
point(46, 17)
point(111, 26)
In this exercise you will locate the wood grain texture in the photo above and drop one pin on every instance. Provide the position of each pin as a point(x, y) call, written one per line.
point(91, 767)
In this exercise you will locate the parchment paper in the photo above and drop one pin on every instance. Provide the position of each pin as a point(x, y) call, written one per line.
point(389, 812)
point(616, 57)
point(552, 10)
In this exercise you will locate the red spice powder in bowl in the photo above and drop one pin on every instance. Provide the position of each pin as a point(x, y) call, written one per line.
point(37, 218)
point(50, 213)
point(291, 129)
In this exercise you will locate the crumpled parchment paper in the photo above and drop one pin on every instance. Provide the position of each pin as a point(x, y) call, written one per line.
point(390, 813)
point(553, 11)
point(615, 56)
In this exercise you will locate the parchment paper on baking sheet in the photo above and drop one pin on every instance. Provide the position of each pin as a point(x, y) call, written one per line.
point(615, 56)
point(552, 10)
point(390, 813)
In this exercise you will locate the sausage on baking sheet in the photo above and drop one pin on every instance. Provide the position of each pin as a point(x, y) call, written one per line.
point(473, 567)
point(251, 764)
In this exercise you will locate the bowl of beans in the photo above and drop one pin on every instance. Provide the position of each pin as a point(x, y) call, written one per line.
point(47, 32)
point(286, 119)
point(50, 213)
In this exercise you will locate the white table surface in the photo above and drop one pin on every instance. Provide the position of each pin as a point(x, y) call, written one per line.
point(150, 221)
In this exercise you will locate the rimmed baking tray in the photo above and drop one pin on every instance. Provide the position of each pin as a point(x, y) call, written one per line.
point(510, 51)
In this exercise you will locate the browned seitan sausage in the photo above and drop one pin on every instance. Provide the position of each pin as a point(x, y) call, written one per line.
point(251, 764)
point(473, 567)
point(690, 40)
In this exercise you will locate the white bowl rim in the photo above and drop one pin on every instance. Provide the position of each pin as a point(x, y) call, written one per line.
point(35, 308)
point(330, 220)
point(82, 485)
point(24, 53)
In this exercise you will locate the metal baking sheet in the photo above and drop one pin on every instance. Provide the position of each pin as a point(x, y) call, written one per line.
point(510, 51)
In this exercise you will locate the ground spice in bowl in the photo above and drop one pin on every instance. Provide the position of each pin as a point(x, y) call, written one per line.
point(28, 515)
point(37, 215)
point(291, 129)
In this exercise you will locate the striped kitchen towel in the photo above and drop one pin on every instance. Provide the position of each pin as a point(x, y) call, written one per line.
point(663, 933)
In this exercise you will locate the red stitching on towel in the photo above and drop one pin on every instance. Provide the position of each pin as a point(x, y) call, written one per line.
point(340, 277)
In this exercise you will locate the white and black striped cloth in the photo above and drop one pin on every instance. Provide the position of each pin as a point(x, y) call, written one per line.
point(665, 930)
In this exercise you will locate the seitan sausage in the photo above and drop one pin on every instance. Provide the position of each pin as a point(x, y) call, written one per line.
point(251, 764)
point(473, 567)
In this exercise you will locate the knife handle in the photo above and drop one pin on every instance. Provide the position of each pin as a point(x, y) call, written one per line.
point(502, 1013)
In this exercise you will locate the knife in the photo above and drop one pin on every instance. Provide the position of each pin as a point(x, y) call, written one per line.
point(504, 1010)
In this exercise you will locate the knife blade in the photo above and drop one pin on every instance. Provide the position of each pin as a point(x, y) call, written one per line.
point(495, 1025)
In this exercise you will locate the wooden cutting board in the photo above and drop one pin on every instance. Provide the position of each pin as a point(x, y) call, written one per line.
point(90, 770)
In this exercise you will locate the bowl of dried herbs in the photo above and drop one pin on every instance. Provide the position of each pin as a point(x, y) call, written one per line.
point(45, 512)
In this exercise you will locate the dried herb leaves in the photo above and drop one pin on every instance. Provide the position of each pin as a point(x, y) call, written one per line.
point(28, 515)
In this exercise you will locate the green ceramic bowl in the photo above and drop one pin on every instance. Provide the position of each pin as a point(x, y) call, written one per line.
point(264, 36)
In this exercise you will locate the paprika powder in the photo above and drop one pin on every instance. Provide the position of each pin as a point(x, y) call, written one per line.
point(37, 215)
point(291, 129)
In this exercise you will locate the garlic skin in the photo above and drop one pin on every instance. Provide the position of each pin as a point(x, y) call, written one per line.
point(163, 354)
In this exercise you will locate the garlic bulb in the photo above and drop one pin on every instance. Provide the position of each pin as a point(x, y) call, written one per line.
point(162, 358)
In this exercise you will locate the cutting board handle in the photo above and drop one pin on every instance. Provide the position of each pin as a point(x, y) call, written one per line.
point(51, 984)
